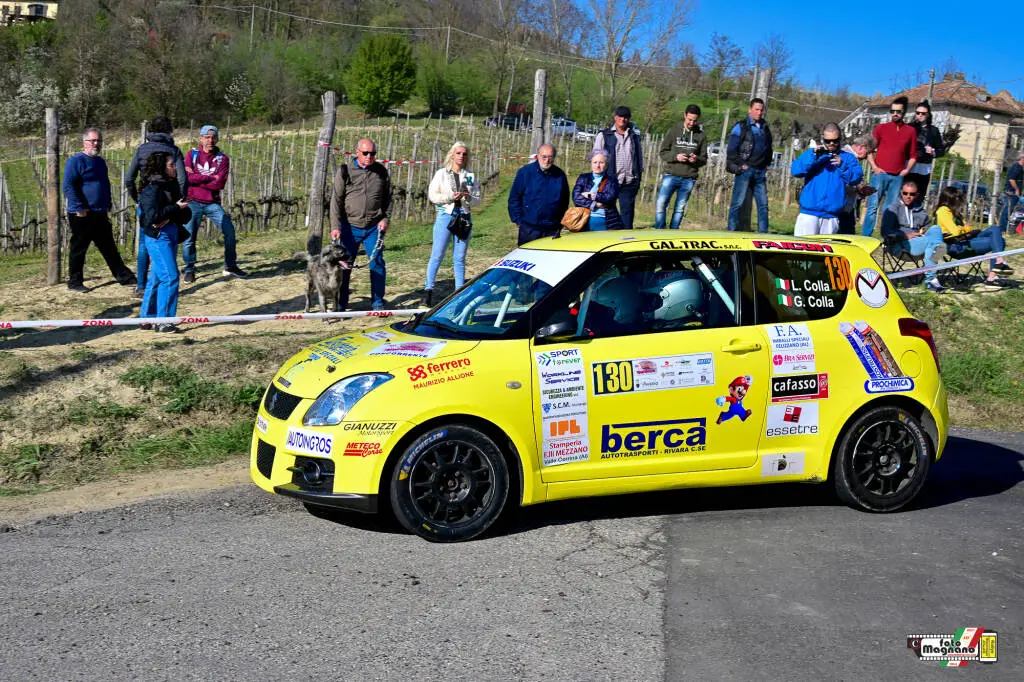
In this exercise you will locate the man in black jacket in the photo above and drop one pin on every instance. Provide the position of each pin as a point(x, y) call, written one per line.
point(159, 138)
point(929, 148)
point(625, 160)
point(747, 157)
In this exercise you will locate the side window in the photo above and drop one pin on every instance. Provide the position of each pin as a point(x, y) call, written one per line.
point(663, 292)
point(800, 287)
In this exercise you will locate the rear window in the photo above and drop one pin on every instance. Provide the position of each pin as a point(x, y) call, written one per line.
point(799, 287)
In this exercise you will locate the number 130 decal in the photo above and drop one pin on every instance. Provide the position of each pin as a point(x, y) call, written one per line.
point(613, 377)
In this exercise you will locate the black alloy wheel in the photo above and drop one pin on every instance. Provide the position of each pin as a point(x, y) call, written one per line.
point(450, 484)
point(883, 460)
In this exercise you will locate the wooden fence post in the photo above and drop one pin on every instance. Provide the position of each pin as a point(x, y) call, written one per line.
point(53, 197)
point(315, 217)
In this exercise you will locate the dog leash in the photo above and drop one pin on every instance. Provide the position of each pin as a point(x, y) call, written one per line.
point(377, 248)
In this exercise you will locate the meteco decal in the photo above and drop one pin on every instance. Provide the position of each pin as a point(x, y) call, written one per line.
point(638, 439)
point(361, 449)
point(799, 387)
point(792, 246)
point(309, 442)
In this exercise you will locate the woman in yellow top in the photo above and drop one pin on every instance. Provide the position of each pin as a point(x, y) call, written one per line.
point(961, 237)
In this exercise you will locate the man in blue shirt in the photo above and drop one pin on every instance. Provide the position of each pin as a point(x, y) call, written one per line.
point(539, 197)
point(87, 191)
point(826, 171)
point(747, 157)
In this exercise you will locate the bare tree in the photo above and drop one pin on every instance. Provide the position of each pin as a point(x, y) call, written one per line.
point(568, 28)
point(636, 26)
point(511, 29)
point(722, 61)
point(775, 57)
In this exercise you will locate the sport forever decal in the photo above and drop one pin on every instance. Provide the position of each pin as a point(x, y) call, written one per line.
point(563, 402)
point(884, 374)
point(871, 288)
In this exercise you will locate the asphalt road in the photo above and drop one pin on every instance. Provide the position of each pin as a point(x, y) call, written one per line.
point(774, 582)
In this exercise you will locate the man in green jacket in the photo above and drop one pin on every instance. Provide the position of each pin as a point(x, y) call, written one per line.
point(684, 150)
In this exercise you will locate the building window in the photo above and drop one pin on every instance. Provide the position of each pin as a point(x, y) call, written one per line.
point(37, 10)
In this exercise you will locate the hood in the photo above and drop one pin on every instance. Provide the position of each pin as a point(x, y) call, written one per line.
point(382, 349)
point(160, 137)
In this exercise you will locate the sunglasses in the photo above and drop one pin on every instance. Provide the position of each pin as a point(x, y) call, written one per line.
point(895, 111)
point(832, 141)
point(909, 194)
point(921, 113)
point(362, 153)
point(93, 141)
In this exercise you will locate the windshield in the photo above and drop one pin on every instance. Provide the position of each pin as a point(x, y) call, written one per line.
point(492, 303)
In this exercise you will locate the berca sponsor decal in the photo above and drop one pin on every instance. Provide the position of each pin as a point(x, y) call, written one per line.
point(639, 439)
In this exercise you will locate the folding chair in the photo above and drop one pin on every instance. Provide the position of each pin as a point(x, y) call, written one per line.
point(964, 276)
point(896, 259)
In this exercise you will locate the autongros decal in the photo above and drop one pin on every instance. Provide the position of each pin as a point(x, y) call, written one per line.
point(433, 373)
point(309, 442)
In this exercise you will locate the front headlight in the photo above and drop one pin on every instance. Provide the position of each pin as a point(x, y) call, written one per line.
point(334, 403)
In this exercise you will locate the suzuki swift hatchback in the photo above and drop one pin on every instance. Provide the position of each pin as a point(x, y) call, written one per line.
point(617, 362)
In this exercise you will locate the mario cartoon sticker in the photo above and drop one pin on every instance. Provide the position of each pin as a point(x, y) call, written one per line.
point(737, 392)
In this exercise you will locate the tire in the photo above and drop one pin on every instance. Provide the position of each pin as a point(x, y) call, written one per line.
point(450, 484)
point(882, 461)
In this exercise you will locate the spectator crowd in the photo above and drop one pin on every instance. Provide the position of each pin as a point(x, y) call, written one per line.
point(175, 191)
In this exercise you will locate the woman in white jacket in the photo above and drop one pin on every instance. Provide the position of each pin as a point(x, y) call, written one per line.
point(451, 189)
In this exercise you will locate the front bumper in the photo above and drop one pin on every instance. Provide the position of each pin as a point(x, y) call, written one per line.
point(367, 504)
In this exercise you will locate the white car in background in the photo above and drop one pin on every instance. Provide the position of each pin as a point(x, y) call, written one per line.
point(563, 126)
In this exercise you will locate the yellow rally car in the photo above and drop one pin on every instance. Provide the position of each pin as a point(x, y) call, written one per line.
point(616, 362)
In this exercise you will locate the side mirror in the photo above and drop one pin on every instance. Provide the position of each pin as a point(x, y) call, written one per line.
point(557, 331)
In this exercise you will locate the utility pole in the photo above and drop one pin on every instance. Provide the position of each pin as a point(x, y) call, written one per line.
point(753, 81)
point(540, 94)
point(315, 218)
point(447, 45)
point(53, 234)
point(252, 25)
point(931, 85)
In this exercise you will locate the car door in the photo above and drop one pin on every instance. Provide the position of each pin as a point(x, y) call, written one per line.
point(657, 376)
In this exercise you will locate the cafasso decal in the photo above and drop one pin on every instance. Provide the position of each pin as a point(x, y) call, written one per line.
point(792, 348)
point(799, 387)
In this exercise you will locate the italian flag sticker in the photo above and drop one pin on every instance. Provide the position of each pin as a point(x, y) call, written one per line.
point(785, 300)
point(784, 284)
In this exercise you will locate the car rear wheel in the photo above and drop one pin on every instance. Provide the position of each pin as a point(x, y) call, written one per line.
point(450, 484)
point(882, 460)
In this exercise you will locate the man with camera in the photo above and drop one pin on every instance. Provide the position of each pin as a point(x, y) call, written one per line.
point(826, 171)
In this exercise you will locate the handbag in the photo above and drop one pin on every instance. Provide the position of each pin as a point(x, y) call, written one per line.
point(460, 223)
point(577, 217)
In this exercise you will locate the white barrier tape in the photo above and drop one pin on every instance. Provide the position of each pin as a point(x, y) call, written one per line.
point(952, 264)
point(201, 319)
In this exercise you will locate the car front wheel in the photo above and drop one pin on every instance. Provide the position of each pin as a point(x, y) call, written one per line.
point(882, 460)
point(450, 484)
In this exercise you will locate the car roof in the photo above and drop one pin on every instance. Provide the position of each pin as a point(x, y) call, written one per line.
point(705, 240)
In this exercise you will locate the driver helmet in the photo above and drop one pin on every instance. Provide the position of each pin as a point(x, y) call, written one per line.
point(681, 294)
point(622, 295)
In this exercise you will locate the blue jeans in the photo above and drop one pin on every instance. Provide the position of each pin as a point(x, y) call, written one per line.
point(755, 177)
point(1007, 203)
point(924, 245)
point(682, 187)
point(223, 222)
point(989, 240)
point(353, 237)
point(161, 297)
point(888, 187)
point(441, 237)
point(597, 223)
point(627, 203)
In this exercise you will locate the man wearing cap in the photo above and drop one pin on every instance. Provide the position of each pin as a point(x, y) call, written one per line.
point(207, 167)
point(625, 160)
point(1011, 192)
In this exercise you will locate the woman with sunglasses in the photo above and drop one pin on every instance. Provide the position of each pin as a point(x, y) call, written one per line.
point(451, 190)
point(961, 238)
point(929, 148)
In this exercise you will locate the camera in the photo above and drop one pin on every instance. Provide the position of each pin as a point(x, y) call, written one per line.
point(822, 150)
